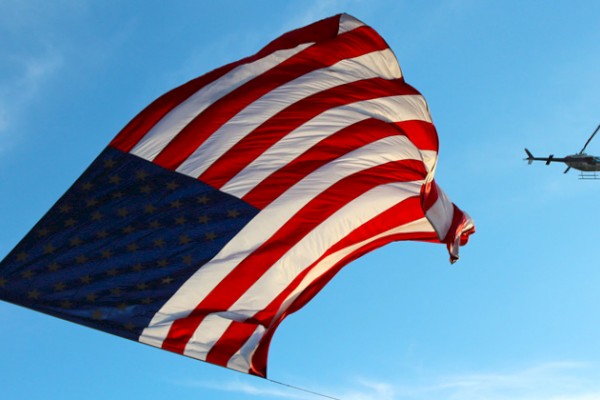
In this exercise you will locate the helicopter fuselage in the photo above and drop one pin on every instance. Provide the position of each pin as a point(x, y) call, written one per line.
point(583, 162)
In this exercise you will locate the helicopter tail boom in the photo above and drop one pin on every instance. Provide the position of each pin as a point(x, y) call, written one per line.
point(530, 158)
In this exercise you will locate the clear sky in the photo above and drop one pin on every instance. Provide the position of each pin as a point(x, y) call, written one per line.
point(516, 318)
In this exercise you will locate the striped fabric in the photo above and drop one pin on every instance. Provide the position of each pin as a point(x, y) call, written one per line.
point(330, 153)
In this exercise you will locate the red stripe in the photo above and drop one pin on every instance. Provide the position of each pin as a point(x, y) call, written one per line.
point(347, 45)
point(429, 194)
point(457, 230)
point(239, 332)
point(271, 131)
point(330, 148)
point(405, 212)
point(137, 128)
point(325, 29)
point(258, 365)
point(234, 285)
point(421, 133)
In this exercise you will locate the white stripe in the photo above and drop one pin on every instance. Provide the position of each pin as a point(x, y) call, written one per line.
point(420, 225)
point(319, 240)
point(440, 214)
point(171, 124)
point(376, 64)
point(157, 334)
point(240, 361)
point(348, 23)
point(306, 252)
point(430, 160)
point(267, 222)
point(204, 340)
point(390, 109)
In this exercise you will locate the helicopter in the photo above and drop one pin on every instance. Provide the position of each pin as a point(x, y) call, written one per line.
point(587, 164)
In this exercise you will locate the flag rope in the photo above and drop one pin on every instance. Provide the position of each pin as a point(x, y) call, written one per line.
point(303, 389)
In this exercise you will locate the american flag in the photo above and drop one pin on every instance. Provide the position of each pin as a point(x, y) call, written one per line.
point(230, 201)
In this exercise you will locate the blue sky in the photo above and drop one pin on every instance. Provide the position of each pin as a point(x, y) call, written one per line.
point(516, 318)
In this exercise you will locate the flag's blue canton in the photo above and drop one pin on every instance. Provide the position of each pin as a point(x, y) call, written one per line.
point(119, 243)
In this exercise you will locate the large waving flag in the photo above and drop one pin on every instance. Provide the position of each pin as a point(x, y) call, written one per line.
point(230, 201)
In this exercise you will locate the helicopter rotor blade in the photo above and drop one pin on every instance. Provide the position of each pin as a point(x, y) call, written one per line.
point(590, 139)
point(567, 170)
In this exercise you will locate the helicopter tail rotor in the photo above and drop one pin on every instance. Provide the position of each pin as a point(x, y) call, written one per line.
point(529, 157)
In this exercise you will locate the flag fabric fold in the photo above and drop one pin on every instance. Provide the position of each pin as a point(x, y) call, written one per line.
point(230, 201)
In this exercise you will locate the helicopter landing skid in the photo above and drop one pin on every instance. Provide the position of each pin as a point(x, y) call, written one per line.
point(589, 175)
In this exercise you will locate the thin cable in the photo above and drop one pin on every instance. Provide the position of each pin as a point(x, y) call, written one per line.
point(302, 389)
